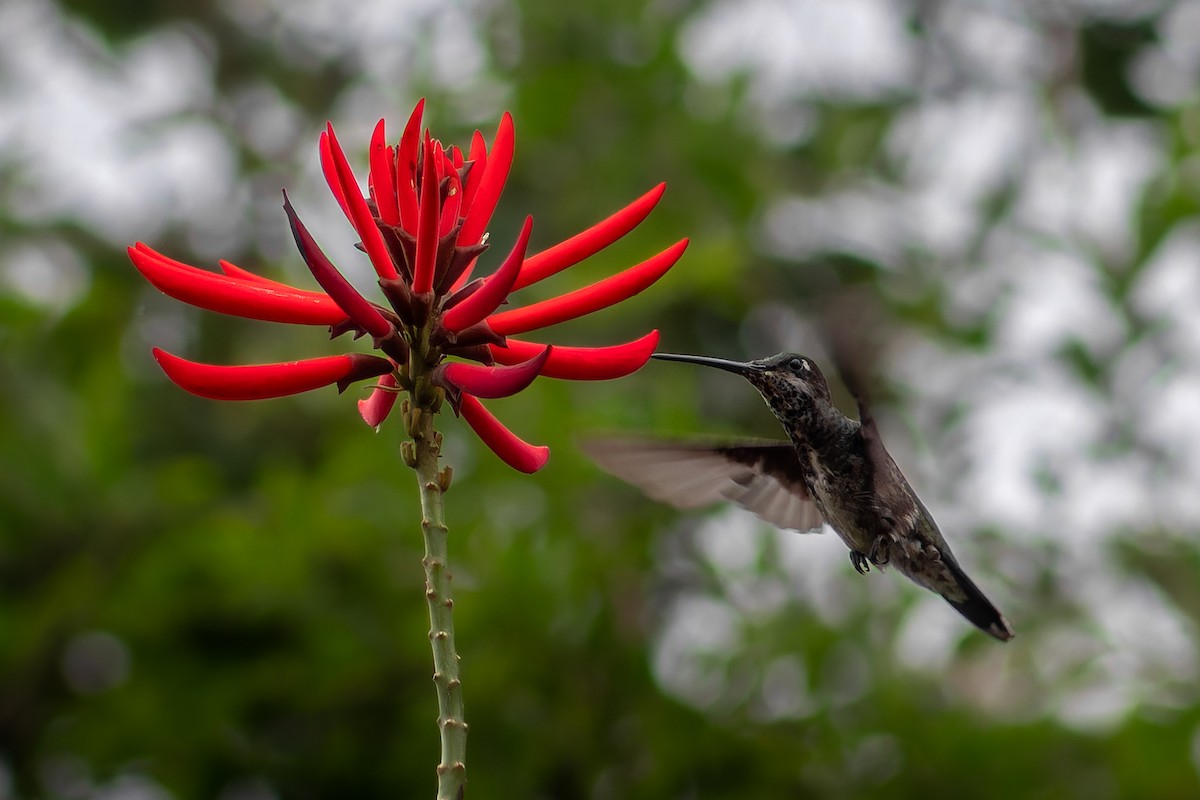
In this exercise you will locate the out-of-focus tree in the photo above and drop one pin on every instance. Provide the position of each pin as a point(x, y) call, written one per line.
point(992, 206)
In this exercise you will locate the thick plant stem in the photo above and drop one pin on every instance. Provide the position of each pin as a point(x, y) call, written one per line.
point(452, 768)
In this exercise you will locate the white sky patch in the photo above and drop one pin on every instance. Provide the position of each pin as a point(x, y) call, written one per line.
point(690, 649)
point(818, 569)
point(1019, 429)
point(49, 274)
point(868, 219)
point(784, 691)
point(801, 48)
point(1168, 290)
point(384, 38)
point(929, 140)
point(954, 153)
point(930, 633)
point(996, 43)
point(265, 120)
point(1056, 297)
point(1165, 74)
point(1087, 190)
point(118, 140)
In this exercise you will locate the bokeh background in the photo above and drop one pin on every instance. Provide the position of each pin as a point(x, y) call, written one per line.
point(988, 209)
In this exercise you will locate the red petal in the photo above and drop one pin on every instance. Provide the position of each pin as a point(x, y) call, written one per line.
point(517, 454)
point(382, 180)
point(491, 183)
point(359, 213)
point(234, 271)
point(346, 296)
point(583, 301)
point(406, 166)
point(427, 224)
point(229, 295)
point(488, 297)
point(493, 381)
point(268, 380)
point(452, 209)
point(589, 242)
point(329, 170)
point(378, 405)
point(582, 363)
point(478, 157)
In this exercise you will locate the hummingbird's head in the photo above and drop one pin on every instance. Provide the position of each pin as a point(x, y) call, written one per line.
point(787, 380)
point(788, 376)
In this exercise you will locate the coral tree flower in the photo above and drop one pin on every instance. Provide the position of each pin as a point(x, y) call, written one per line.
point(423, 227)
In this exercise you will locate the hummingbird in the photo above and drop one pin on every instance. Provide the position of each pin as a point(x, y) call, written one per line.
point(833, 471)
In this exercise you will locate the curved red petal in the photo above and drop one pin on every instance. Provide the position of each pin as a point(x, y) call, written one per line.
point(234, 271)
point(488, 297)
point(359, 212)
point(267, 380)
point(477, 155)
point(583, 301)
point(346, 296)
point(491, 183)
point(255, 299)
point(329, 170)
point(493, 382)
point(427, 222)
point(582, 363)
point(406, 169)
point(589, 242)
point(375, 408)
point(518, 454)
point(383, 180)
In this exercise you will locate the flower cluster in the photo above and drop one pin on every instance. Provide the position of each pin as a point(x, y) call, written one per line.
point(423, 227)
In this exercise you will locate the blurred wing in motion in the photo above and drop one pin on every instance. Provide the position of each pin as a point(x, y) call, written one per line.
point(760, 476)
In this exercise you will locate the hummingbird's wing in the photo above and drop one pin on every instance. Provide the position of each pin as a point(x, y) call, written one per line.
point(760, 476)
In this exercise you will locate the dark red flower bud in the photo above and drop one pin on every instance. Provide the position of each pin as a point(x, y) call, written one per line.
point(346, 296)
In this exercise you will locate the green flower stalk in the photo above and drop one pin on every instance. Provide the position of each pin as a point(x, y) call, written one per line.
point(441, 336)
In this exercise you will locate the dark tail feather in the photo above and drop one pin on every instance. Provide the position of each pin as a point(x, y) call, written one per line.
point(977, 608)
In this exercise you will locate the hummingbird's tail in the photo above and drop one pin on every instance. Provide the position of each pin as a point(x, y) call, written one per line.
point(975, 607)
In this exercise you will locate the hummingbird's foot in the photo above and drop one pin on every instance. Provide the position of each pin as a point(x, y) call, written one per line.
point(879, 552)
point(861, 563)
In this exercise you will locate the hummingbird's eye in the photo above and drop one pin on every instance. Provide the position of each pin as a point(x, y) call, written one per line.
point(797, 365)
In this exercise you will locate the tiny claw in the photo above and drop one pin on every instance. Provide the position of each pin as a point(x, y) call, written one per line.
point(860, 562)
point(409, 454)
point(878, 554)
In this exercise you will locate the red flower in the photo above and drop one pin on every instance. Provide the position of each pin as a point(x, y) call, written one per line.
point(423, 228)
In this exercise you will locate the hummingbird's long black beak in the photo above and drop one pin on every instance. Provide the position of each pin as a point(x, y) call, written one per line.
point(740, 367)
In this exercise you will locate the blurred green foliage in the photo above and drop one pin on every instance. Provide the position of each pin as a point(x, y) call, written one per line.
point(225, 600)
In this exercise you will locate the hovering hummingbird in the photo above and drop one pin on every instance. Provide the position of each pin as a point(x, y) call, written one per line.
point(834, 470)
